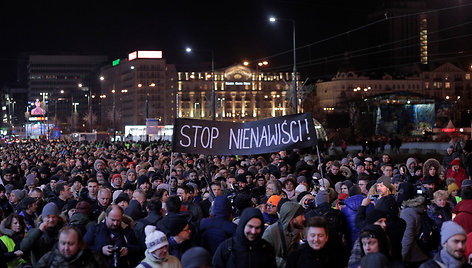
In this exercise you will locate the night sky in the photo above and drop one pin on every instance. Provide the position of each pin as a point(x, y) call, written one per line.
point(235, 30)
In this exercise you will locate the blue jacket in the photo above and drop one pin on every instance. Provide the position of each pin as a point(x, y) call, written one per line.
point(350, 210)
point(214, 231)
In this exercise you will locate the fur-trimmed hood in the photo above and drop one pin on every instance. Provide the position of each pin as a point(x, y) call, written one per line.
point(414, 202)
point(6, 230)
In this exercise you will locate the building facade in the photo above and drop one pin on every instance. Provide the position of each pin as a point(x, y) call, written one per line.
point(64, 84)
point(241, 94)
point(128, 84)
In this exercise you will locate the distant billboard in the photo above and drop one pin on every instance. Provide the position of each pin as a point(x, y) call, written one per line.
point(144, 54)
point(37, 110)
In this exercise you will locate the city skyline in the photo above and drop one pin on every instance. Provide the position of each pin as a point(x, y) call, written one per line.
point(236, 31)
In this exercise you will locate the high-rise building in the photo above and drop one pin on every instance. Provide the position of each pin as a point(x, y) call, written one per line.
point(128, 84)
point(64, 85)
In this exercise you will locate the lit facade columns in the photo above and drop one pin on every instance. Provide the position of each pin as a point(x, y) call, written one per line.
point(233, 104)
point(192, 104)
point(243, 104)
point(202, 107)
point(283, 103)
point(253, 100)
point(180, 103)
point(273, 105)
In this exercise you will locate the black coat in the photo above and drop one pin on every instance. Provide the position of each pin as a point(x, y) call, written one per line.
point(305, 256)
point(238, 251)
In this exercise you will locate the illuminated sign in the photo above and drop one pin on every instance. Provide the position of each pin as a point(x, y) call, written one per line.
point(148, 54)
point(116, 62)
point(448, 130)
point(238, 83)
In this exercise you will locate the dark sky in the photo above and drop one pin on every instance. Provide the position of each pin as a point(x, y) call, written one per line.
point(235, 30)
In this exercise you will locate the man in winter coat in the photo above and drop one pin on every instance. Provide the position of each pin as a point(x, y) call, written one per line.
point(452, 254)
point(315, 252)
point(108, 238)
point(69, 252)
point(219, 227)
point(154, 216)
point(463, 210)
point(411, 251)
point(41, 240)
point(291, 224)
point(246, 248)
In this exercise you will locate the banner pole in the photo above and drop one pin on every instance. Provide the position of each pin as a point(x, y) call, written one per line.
point(319, 163)
point(171, 165)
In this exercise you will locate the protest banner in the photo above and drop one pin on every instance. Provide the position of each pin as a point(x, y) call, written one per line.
point(256, 137)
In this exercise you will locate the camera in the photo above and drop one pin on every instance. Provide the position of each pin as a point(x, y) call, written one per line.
point(116, 255)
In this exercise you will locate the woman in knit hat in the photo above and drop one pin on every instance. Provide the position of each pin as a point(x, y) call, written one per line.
point(453, 189)
point(157, 250)
point(270, 210)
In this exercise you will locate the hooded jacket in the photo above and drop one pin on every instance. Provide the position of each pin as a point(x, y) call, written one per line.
point(463, 211)
point(352, 204)
point(414, 208)
point(238, 251)
point(217, 229)
point(272, 234)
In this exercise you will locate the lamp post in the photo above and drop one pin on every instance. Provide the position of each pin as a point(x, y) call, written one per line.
point(213, 101)
point(89, 104)
point(294, 89)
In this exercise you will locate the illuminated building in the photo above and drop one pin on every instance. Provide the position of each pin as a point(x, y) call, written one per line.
point(241, 94)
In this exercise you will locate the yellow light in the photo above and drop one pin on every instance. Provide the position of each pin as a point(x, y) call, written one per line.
point(260, 64)
point(265, 62)
point(447, 97)
point(140, 85)
point(152, 85)
point(246, 63)
point(113, 91)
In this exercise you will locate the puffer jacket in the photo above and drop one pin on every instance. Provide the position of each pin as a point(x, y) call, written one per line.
point(411, 252)
point(463, 211)
point(352, 204)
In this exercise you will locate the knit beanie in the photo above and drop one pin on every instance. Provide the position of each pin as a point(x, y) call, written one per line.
point(142, 179)
point(273, 200)
point(452, 187)
point(196, 257)
point(450, 229)
point(131, 170)
point(386, 181)
point(121, 197)
point(31, 180)
point(300, 188)
point(322, 197)
point(374, 215)
point(19, 193)
point(154, 239)
point(50, 209)
point(221, 207)
point(115, 176)
point(466, 183)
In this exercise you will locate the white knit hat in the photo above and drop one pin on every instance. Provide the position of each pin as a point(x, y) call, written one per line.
point(154, 239)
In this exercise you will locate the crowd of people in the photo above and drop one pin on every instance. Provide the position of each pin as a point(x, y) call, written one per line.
point(79, 204)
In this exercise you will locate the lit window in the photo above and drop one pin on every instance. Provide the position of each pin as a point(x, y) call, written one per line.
point(447, 84)
point(467, 76)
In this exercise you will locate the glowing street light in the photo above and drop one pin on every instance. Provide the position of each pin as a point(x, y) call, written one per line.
point(294, 100)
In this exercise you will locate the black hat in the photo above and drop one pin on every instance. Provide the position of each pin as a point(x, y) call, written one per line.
point(241, 178)
point(122, 197)
point(374, 215)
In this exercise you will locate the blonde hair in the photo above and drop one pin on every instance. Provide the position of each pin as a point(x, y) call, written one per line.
point(440, 194)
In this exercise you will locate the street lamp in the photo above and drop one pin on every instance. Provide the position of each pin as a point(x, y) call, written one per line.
point(89, 104)
point(294, 100)
point(213, 102)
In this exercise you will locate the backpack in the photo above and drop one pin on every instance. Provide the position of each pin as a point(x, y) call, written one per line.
point(428, 237)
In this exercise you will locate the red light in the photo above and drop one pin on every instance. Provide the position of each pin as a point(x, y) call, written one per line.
point(448, 130)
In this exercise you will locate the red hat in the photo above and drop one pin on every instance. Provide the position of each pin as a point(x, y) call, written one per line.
point(115, 176)
point(455, 162)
